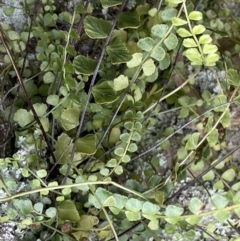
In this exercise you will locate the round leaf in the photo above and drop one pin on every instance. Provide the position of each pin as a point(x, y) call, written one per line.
point(128, 20)
point(146, 44)
point(219, 201)
point(84, 65)
point(173, 211)
point(195, 205)
point(183, 32)
point(159, 30)
point(41, 173)
point(171, 41)
point(96, 28)
point(86, 144)
point(120, 83)
point(189, 43)
point(148, 67)
point(70, 118)
point(229, 175)
point(198, 29)
point(118, 52)
point(195, 15)
point(135, 61)
point(23, 117)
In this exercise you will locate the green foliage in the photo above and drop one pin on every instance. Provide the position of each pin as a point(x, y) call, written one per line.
point(92, 86)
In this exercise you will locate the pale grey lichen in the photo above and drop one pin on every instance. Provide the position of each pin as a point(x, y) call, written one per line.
point(18, 19)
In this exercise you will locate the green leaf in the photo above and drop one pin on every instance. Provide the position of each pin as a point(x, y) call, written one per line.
point(40, 109)
point(120, 83)
point(48, 78)
point(154, 224)
point(41, 173)
point(65, 16)
point(132, 147)
point(128, 125)
point(226, 119)
point(171, 41)
point(80, 179)
point(150, 208)
point(193, 220)
point(51, 212)
point(209, 176)
point(213, 138)
point(223, 216)
point(112, 163)
point(118, 52)
point(195, 15)
point(189, 43)
point(192, 141)
point(68, 211)
point(84, 65)
point(38, 207)
point(126, 158)
point(236, 186)
point(63, 149)
point(195, 205)
point(119, 151)
point(118, 170)
point(133, 216)
point(23, 206)
point(96, 28)
point(168, 14)
point(158, 53)
point(107, 3)
point(173, 211)
point(219, 201)
point(102, 194)
point(184, 112)
point(12, 213)
point(205, 39)
point(136, 92)
point(219, 100)
point(229, 175)
point(178, 21)
point(12, 35)
point(164, 64)
point(184, 32)
point(209, 48)
point(194, 56)
point(86, 145)
point(236, 198)
point(49, 20)
point(125, 137)
point(148, 67)
point(184, 100)
point(233, 77)
point(8, 10)
point(134, 205)
point(146, 44)
point(159, 30)
point(23, 117)
point(53, 100)
point(120, 200)
point(110, 201)
point(128, 20)
point(211, 59)
point(103, 93)
point(104, 171)
point(135, 61)
point(198, 29)
point(136, 136)
point(70, 118)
